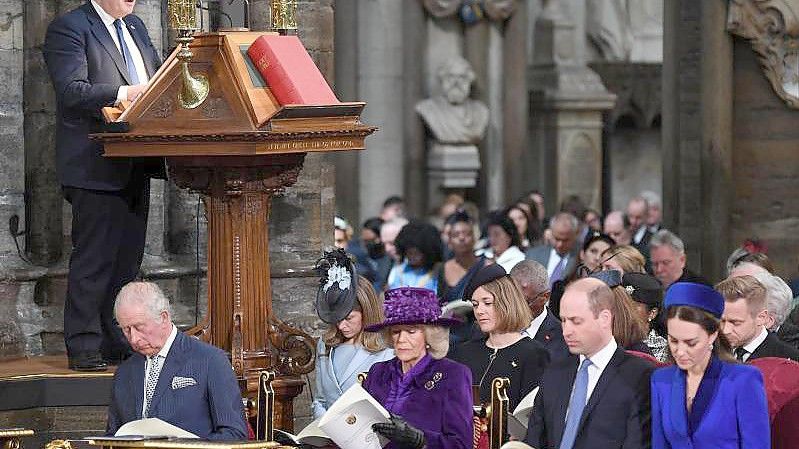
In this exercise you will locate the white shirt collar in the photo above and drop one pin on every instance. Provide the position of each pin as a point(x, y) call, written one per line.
point(104, 16)
point(171, 339)
point(639, 235)
point(752, 346)
point(601, 359)
point(535, 325)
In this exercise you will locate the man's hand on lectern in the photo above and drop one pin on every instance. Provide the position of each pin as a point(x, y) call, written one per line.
point(135, 91)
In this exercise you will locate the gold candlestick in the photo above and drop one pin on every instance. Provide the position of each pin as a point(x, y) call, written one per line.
point(183, 19)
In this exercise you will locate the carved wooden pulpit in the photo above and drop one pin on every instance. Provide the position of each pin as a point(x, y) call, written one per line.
point(238, 148)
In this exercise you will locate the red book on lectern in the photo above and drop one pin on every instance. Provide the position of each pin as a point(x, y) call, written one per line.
point(289, 71)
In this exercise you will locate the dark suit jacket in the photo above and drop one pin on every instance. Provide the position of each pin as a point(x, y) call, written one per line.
point(87, 69)
point(617, 414)
point(541, 255)
point(211, 409)
point(550, 334)
point(772, 346)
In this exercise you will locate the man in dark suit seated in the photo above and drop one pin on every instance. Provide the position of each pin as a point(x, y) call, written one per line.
point(98, 55)
point(171, 376)
point(599, 396)
point(545, 327)
point(667, 255)
point(560, 257)
point(744, 320)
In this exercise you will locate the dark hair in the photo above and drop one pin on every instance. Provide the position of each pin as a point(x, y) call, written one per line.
point(534, 226)
point(594, 236)
point(530, 234)
point(422, 236)
point(500, 218)
point(392, 200)
point(709, 323)
point(573, 205)
point(459, 216)
point(373, 224)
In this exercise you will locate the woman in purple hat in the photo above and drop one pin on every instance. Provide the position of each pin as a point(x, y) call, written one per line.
point(706, 399)
point(428, 396)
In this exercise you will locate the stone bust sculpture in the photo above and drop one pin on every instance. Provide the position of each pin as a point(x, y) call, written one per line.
point(451, 116)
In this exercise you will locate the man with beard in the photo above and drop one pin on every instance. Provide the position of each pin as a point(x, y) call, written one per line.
point(545, 327)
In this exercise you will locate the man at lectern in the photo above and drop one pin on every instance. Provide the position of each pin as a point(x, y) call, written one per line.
point(171, 376)
point(99, 55)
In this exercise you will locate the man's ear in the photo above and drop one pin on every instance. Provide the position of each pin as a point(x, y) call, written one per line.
point(605, 318)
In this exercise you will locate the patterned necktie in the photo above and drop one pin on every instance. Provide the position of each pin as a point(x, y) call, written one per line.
point(576, 406)
point(557, 273)
point(740, 353)
point(134, 76)
point(152, 380)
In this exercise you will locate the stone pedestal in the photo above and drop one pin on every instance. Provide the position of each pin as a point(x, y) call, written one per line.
point(567, 102)
point(451, 168)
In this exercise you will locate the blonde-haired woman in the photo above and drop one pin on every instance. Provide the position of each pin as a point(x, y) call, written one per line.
point(502, 314)
point(345, 350)
point(623, 258)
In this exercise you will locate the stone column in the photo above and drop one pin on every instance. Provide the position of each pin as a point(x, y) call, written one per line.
point(45, 236)
point(567, 102)
point(380, 84)
point(697, 126)
point(12, 165)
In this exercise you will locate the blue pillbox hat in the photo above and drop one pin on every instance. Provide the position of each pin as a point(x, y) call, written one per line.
point(695, 295)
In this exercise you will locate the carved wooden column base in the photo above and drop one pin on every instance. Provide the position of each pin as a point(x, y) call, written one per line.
point(237, 193)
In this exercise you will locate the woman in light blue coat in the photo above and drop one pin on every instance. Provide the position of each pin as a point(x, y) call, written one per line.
point(344, 350)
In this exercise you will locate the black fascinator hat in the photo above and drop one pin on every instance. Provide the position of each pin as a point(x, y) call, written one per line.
point(337, 286)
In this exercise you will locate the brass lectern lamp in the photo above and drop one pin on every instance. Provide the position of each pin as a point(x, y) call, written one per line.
point(216, 120)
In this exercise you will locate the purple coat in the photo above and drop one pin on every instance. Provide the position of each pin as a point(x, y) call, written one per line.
point(435, 397)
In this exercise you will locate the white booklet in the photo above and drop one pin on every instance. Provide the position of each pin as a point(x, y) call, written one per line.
point(152, 427)
point(517, 421)
point(348, 422)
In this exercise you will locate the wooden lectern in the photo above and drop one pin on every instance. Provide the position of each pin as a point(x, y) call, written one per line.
point(238, 148)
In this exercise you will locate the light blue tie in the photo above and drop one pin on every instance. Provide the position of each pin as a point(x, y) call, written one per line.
point(557, 273)
point(576, 406)
point(134, 77)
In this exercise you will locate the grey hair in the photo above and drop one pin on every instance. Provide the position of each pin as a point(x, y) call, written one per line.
point(652, 198)
point(778, 296)
point(436, 338)
point(565, 217)
point(639, 199)
point(147, 294)
point(665, 237)
point(736, 255)
point(532, 273)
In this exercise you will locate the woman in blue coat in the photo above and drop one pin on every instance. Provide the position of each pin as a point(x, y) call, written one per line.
point(706, 400)
point(344, 351)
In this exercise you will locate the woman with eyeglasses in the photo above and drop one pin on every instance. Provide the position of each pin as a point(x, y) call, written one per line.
point(623, 258)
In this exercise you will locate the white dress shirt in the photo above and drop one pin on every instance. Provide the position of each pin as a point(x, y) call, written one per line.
point(754, 344)
point(599, 361)
point(554, 260)
point(535, 325)
point(163, 353)
point(639, 235)
point(138, 61)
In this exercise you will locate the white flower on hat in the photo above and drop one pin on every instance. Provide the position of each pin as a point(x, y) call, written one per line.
point(339, 274)
point(630, 289)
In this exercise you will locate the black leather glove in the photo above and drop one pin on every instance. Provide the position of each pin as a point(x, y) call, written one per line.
point(402, 434)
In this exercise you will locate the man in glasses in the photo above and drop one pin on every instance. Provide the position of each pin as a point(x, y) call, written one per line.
point(545, 326)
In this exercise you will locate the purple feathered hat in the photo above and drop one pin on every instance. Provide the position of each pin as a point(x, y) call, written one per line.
point(411, 305)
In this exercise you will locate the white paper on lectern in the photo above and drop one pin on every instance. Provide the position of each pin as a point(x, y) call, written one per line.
point(153, 427)
point(349, 420)
point(517, 421)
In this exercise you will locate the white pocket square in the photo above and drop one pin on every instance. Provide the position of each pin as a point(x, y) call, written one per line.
point(182, 382)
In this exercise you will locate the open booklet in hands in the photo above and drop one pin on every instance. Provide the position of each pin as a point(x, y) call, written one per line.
point(346, 424)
